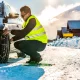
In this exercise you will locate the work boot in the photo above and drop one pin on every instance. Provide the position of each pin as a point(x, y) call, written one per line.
point(34, 60)
point(21, 55)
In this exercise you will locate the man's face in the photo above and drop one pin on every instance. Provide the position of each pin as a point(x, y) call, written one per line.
point(23, 14)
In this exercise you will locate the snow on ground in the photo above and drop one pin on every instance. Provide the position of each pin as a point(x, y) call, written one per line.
point(65, 65)
point(73, 42)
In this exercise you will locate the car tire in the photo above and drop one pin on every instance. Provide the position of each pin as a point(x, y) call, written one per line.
point(4, 48)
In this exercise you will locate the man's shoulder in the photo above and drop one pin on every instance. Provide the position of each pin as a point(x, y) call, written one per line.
point(32, 20)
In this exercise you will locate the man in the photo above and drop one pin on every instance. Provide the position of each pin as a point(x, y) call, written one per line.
point(34, 34)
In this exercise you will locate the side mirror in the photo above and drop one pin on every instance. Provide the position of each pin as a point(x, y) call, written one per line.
point(13, 15)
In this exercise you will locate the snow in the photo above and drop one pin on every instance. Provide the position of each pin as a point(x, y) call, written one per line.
point(73, 42)
point(65, 60)
point(66, 63)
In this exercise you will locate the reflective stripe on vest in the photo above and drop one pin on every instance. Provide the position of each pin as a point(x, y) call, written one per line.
point(37, 33)
point(36, 28)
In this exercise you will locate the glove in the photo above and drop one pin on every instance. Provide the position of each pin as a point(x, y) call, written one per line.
point(5, 32)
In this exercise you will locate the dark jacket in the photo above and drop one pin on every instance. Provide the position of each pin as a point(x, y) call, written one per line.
point(22, 33)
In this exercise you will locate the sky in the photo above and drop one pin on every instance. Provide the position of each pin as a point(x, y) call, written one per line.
point(44, 9)
point(38, 5)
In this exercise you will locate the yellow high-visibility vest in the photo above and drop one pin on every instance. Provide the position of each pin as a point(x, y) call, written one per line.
point(37, 33)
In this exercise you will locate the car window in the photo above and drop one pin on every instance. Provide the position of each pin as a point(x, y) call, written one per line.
point(10, 9)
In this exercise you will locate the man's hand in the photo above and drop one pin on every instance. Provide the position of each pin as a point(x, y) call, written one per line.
point(11, 40)
point(5, 32)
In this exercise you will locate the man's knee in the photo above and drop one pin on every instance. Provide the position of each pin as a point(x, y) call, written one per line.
point(16, 45)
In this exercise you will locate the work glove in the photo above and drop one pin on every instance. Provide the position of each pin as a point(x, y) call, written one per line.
point(5, 31)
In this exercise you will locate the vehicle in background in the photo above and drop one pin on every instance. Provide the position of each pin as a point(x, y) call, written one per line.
point(72, 29)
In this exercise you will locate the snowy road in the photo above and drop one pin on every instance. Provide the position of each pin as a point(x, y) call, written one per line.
point(66, 66)
point(16, 71)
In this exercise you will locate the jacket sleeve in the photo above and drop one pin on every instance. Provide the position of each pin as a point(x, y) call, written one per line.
point(22, 33)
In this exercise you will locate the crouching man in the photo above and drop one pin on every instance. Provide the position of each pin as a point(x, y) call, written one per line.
point(34, 34)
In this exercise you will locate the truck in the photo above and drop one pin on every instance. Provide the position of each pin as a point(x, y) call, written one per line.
point(72, 29)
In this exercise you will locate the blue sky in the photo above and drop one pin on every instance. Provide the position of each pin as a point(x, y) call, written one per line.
point(45, 10)
point(38, 5)
point(35, 5)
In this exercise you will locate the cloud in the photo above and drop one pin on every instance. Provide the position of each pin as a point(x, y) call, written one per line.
point(50, 21)
point(56, 3)
point(47, 14)
point(53, 2)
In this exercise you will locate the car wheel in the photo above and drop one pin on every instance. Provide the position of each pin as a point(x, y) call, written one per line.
point(4, 48)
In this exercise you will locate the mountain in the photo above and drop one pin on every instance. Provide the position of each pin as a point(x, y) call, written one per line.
point(72, 14)
point(69, 12)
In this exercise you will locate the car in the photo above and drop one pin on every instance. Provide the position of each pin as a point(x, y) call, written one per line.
point(9, 19)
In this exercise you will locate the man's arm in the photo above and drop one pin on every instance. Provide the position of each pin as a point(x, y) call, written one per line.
point(22, 33)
